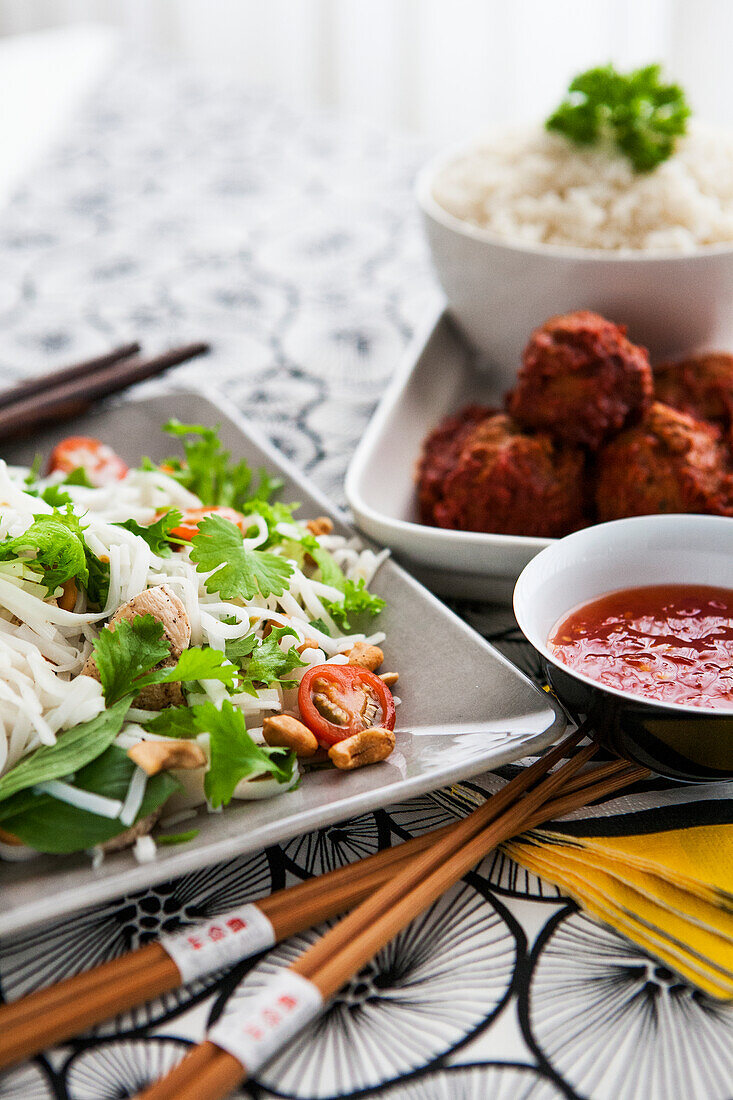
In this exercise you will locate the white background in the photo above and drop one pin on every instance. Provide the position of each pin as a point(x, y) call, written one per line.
point(442, 68)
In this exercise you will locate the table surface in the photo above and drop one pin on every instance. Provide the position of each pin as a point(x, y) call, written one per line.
point(178, 208)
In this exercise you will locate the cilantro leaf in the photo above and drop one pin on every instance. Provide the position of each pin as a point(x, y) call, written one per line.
point(234, 755)
point(357, 597)
point(156, 534)
point(49, 825)
point(179, 722)
point(193, 664)
point(318, 624)
point(54, 546)
point(127, 653)
point(358, 600)
point(74, 749)
point(641, 115)
point(80, 477)
point(263, 661)
point(34, 472)
point(331, 573)
point(55, 496)
point(239, 571)
point(127, 658)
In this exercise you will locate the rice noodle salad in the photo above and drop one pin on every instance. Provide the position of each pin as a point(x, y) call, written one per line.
point(172, 637)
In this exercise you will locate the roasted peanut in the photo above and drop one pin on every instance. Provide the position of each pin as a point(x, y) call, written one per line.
point(366, 747)
point(307, 643)
point(285, 732)
point(67, 599)
point(366, 656)
point(321, 525)
point(160, 756)
point(389, 678)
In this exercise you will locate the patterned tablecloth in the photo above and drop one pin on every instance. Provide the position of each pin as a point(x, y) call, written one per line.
point(181, 209)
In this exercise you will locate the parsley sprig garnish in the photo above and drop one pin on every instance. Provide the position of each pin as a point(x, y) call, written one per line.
point(636, 112)
point(208, 472)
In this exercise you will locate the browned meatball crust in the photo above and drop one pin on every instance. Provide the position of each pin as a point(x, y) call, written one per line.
point(669, 462)
point(701, 386)
point(491, 476)
point(581, 380)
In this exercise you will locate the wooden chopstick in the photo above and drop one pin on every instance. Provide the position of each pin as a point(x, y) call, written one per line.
point(60, 1011)
point(40, 383)
point(61, 400)
point(209, 1073)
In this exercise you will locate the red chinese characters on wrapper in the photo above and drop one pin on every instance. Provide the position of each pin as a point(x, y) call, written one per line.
point(220, 942)
point(261, 1025)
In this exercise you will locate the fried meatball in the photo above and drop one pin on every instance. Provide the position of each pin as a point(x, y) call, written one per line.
point(491, 476)
point(581, 380)
point(440, 452)
point(669, 462)
point(701, 386)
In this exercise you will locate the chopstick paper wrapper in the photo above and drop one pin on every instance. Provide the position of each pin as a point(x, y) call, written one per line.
point(270, 1019)
point(220, 942)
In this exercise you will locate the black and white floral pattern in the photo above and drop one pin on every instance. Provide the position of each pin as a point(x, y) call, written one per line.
point(182, 209)
point(421, 997)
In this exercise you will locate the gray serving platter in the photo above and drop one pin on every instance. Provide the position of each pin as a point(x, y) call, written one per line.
point(465, 709)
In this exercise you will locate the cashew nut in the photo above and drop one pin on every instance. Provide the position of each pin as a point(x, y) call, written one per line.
point(366, 656)
point(161, 756)
point(321, 525)
point(389, 678)
point(285, 732)
point(366, 747)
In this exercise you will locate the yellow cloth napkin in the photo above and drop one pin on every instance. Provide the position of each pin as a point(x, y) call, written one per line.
point(657, 866)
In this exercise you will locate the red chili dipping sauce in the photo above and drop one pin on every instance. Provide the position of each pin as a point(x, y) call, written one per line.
point(670, 642)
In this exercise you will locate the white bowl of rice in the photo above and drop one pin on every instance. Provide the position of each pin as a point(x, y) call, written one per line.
point(526, 225)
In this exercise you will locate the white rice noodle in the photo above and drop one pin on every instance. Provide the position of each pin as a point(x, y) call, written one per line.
point(253, 788)
point(83, 800)
point(43, 647)
point(145, 849)
point(134, 798)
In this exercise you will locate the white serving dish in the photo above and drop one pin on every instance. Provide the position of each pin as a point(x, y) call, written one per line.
point(440, 373)
point(465, 709)
point(498, 290)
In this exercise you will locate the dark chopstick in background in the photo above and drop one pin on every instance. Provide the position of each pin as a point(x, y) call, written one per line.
point(38, 384)
point(62, 394)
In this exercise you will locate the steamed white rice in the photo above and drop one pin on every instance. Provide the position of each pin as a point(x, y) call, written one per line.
point(536, 187)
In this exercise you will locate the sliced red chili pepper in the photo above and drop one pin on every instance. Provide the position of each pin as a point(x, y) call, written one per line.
point(336, 701)
point(99, 462)
point(189, 525)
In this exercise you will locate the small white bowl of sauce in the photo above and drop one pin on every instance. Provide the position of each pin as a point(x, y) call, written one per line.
point(634, 621)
